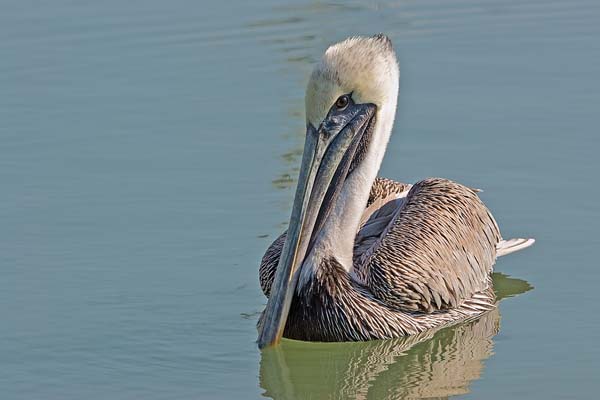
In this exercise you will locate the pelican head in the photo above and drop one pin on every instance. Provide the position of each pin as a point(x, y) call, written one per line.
point(350, 106)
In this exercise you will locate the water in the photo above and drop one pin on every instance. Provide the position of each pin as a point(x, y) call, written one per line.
point(148, 152)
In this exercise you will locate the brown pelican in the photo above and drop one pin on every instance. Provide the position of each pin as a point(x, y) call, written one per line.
point(366, 258)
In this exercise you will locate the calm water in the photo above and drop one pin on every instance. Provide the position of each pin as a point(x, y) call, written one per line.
point(148, 152)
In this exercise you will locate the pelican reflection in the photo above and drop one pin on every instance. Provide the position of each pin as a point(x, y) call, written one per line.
point(433, 364)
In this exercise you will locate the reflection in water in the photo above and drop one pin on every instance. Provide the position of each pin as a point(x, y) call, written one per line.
point(432, 364)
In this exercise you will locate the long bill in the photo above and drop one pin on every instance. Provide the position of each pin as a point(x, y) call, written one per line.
point(325, 163)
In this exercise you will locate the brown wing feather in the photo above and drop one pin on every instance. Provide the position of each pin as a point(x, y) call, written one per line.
point(438, 251)
point(383, 187)
point(268, 264)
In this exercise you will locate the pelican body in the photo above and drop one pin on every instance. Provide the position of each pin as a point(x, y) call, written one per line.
point(368, 258)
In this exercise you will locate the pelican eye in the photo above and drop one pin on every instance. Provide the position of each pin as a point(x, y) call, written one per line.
point(342, 102)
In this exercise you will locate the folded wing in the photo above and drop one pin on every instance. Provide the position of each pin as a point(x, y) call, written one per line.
point(436, 250)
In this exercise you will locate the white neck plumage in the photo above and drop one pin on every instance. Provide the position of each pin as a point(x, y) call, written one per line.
point(336, 238)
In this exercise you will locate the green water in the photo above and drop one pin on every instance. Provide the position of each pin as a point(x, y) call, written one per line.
point(148, 152)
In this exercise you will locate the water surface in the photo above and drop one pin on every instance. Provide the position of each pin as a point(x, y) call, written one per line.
point(148, 153)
